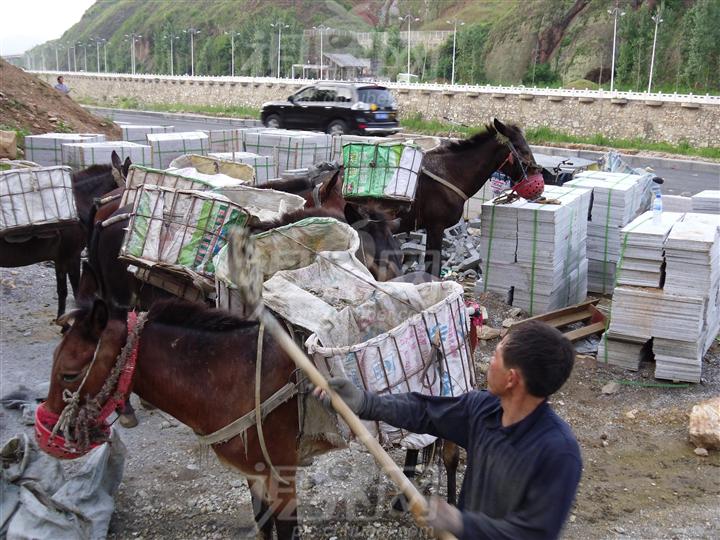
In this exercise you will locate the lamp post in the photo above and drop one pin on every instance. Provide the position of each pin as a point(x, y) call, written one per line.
point(279, 25)
point(85, 46)
point(75, 56)
point(68, 53)
point(232, 34)
point(455, 24)
point(97, 54)
point(192, 32)
point(409, 17)
point(105, 43)
point(57, 58)
point(615, 12)
point(171, 37)
point(322, 29)
point(657, 20)
point(132, 38)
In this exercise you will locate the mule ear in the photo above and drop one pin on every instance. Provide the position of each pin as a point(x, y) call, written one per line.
point(116, 160)
point(501, 128)
point(126, 167)
point(89, 285)
point(331, 184)
point(353, 213)
point(98, 317)
point(66, 319)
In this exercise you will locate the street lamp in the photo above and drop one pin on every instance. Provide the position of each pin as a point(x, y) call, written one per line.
point(192, 32)
point(57, 58)
point(171, 37)
point(75, 56)
point(455, 23)
point(279, 25)
point(657, 20)
point(232, 34)
point(409, 17)
point(97, 52)
point(84, 46)
point(132, 38)
point(68, 53)
point(614, 12)
point(322, 29)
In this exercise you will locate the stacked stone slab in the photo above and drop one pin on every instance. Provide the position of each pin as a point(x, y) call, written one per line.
point(707, 202)
point(82, 155)
point(536, 253)
point(264, 166)
point(618, 198)
point(225, 140)
point(289, 149)
point(683, 317)
point(46, 149)
point(138, 134)
point(167, 146)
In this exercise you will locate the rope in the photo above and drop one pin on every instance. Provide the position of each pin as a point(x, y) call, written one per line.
point(258, 409)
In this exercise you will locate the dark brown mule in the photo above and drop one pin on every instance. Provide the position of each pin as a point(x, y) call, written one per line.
point(466, 165)
point(197, 364)
point(62, 245)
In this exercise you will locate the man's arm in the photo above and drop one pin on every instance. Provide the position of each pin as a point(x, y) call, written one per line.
point(444, 417)
point(543, 511)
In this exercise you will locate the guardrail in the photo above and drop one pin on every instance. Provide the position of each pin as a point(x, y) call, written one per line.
point(706, 99)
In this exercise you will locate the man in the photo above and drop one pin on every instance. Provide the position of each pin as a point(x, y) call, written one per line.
point(523, 461)
point(61, 86)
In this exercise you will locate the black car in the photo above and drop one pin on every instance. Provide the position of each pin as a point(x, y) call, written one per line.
point(336, 108)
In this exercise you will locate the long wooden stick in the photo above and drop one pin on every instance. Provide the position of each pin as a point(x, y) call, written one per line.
point(418, 504)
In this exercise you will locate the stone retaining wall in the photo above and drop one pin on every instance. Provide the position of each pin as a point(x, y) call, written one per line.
point(651, 119)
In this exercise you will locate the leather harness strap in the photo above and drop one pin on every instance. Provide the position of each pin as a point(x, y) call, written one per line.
point(446, 184)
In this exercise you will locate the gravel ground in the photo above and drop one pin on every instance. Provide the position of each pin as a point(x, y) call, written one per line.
point(641, 477)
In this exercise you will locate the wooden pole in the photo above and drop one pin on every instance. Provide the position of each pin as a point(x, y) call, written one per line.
point(418, 504)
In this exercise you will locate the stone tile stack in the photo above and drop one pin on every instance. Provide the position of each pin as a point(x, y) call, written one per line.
point(167, 146)
point(707, 202)
point(289, 149)
point(138, 134)
point(536, 253)
point(618, 198)
point(46, 149)
point(683, 317)
point(82, 155)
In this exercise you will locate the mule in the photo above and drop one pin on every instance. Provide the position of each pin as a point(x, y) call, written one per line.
point(63, 245)
point(198, 365)
point(466, 165)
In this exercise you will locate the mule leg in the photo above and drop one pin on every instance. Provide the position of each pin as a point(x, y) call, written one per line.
point(73, 272)
point(433, 250)
point(61, 284)
point(400, 502)
point(261, 510)
point(284, 499)
point(127, 416)
point(451, 459)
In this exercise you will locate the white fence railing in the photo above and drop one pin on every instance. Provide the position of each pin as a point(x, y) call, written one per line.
point(706, 99)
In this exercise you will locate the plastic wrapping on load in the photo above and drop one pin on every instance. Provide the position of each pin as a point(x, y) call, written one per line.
point(82, 155)
point(212, 164)
point(264, 166)
point(36, 197)
point(388, 170)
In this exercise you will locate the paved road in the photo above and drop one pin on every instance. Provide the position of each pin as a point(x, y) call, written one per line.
point(682, 177)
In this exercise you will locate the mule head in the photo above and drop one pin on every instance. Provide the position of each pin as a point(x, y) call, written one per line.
point(519, 162)
point(331, 196)
point(119, 168)
point(379, 249)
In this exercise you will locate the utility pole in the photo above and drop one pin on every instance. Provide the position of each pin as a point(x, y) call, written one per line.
point(97, 54)
point(322, 28)
point(57, 59)
point(232, 34)
point(171, 37)
point(279, 25)
point(455, 23)
point(409, 17)
point(614, 12)
point(192, 32)
point(657, 20)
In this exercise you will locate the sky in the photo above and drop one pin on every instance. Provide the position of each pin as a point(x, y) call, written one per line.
point(26, 23)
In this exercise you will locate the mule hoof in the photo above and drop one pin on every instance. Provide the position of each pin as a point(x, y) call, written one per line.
point(128, 420)
point(400, 503)
point(147, 405)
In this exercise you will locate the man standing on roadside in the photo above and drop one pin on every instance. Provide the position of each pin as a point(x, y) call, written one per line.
point(61, 86)
point(523, 461)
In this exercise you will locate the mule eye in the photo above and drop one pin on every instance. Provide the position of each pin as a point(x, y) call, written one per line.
point(70, 377)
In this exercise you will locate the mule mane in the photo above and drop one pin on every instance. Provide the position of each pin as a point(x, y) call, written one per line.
point(295, 216)
point(87, 181)
point(476, 140)
point(293, 185)
point(193, 316)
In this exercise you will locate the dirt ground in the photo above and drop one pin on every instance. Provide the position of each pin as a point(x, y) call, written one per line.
point(31, 105)
point(641, 478)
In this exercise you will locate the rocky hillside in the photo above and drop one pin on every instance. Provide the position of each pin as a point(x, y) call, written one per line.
point(501, 41)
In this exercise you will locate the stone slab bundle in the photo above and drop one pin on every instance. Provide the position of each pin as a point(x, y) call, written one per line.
point(167, 146)
point(225, 140)
point(46, 149)
point(536, 253)
point(618, 198)
point(289, 149)
point(264, 166)
point(683, 317)
point(82, 155)
point(37, 197)
point(138, 134)
point(706, 202)
point(676, 203)
point(643, 240)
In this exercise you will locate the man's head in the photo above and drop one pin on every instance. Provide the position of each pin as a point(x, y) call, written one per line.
point(60, 79)
point(534, 354)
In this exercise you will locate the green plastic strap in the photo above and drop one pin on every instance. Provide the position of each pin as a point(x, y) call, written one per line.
point(489, 249)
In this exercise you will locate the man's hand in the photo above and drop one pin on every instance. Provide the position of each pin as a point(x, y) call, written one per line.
point(350, 394)
point(443, 517)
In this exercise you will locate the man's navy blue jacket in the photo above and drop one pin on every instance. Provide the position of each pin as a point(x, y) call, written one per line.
point(520, 480)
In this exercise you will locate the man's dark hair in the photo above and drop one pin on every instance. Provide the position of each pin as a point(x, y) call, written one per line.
point(542, 354)
point(59, 77)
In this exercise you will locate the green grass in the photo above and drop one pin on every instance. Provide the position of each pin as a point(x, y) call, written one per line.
point(544, 135)
point(209, 110)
